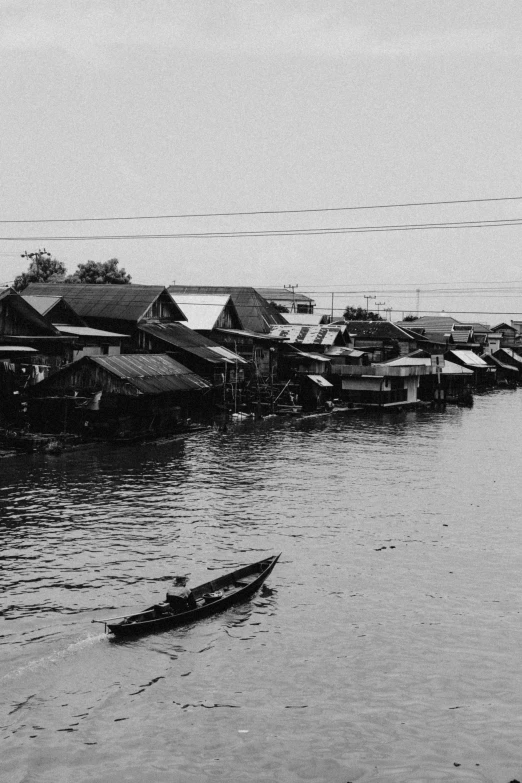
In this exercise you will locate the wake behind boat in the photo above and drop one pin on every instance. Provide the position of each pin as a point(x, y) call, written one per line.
point(208, 598)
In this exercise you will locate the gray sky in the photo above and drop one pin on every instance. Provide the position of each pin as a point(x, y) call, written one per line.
point(115, 108)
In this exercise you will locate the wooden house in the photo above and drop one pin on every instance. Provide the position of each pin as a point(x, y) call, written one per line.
point(30, 347)
point(483, 373)
point(509, 334)
point(382, 385)
point(509, 355)
point(117, 396)
point(115, 308)
point(88, 341)
point(196, 351)
point(381, 340)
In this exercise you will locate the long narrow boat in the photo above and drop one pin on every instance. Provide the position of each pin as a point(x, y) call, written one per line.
point(211, 597)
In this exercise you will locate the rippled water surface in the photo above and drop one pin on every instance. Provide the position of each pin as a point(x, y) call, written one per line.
point(385, 647)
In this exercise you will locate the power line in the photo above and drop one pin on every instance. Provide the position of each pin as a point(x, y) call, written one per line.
point(276, 233)
point(269, 211)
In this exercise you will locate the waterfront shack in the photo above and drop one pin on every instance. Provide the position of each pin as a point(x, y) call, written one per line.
point(509, 355)
point(483, 373)
point(117, 396)
point(381, 385)
point(30, 347)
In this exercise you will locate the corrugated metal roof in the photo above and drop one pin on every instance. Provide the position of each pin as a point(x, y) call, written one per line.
point(317, 357)
point(378, 330)
point(469, 358)
point(339, 350)
point(431, 323)
point(308, 335)
point(255, 313)
point(202, 310)
point(87, 331)
point(127, 302)
point(182, 337)
point(490, 359)
point(284, 294)
point(151, 373)
point(319, 380)
point(17, 349)
point(232, 357)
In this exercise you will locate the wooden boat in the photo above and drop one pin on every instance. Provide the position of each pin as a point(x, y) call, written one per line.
point(211, 597)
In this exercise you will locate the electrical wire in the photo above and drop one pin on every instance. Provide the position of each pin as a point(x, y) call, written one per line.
point(270, 211)
point(283, 232)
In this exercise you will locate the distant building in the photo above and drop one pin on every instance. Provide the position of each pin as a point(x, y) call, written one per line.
point(293, 301)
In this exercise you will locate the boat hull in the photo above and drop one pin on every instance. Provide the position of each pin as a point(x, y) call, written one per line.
point(256, 573)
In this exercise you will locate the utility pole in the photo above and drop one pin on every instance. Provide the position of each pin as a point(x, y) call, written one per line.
point(292, 289)
point(367, 300)
point(378, 304)
point(389, 311)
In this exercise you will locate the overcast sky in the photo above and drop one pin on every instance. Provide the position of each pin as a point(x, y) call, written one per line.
point(158, 107)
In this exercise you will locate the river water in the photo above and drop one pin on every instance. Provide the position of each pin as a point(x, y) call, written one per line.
point(384, 649)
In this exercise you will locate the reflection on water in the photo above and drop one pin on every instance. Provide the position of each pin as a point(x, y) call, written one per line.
point(384, 646)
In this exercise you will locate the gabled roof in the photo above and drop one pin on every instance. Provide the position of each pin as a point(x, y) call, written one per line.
point(35, 321)
point(255, 313)
point(430, 323)
point(181, 336)
point(42, 303)
point(151, 373)
point(304, 319)
point(145, 373)
point(55, 309)
point(308, 335)
point(469, 358)
point(86, 331)
point(503, 326)
point(490, 359)
point(378, 330)
point(127, 302)
point(203, 311)
point(514, 355)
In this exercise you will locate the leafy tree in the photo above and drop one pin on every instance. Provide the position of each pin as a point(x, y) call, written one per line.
point(360, 314)
point(100, 272)
point(43, 268)
point(411, 318)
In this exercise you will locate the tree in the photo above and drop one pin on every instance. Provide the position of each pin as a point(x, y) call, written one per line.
point(360, 314)
point(100, 272)
point(43, 268)
point(411, 318)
